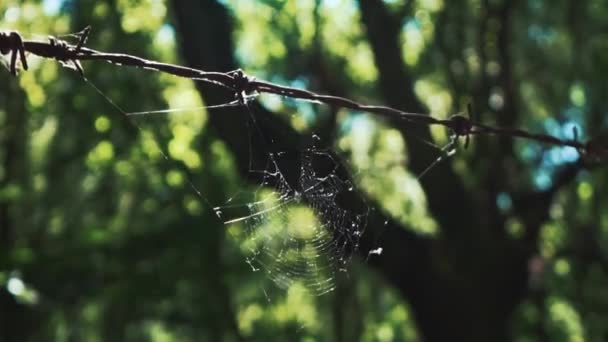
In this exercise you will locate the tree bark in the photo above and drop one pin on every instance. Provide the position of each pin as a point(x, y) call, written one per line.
point(478, 249)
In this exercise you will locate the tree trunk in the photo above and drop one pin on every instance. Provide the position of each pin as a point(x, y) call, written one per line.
point(16, 319)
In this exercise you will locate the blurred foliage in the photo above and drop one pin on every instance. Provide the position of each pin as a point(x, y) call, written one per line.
point(104, 238)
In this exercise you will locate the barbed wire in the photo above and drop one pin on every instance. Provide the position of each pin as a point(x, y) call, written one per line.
point(69, 55)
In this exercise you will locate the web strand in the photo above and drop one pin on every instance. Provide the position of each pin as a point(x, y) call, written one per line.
point(164, 155)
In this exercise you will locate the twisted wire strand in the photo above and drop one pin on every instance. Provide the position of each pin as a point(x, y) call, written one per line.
point(242, 84)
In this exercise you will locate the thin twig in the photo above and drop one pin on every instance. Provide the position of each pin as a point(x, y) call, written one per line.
point(242, 85)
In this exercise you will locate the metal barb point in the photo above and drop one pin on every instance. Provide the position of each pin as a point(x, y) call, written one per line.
point(11, 42)
point(67, 54)
point(462, 127)
point(241, 84)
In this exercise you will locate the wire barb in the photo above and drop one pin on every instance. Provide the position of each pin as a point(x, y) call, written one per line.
point(67, 54)
point(462, 127)
point(11, 42)
point(242, 84)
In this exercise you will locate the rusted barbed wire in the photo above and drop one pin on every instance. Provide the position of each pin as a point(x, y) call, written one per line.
point(11, 42)
point(242, 84)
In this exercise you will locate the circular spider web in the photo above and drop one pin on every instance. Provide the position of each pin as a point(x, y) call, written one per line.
point(296, 231)
point(298, 234)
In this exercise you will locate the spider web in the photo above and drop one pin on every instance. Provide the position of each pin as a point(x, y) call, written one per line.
point(298, 234)
point(295, 230)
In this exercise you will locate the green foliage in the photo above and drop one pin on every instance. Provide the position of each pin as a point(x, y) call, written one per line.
point(104, 239)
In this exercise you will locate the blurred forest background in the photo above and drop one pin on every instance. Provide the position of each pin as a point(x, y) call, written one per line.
point(102, 239)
